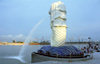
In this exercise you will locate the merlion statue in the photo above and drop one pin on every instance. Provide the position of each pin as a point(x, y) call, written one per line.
point(58, 24)
point(58, 50)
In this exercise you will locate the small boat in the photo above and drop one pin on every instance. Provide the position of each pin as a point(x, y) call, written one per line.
point(40, 58)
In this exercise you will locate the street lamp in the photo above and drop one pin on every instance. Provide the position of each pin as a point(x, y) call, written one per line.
point(89, 38)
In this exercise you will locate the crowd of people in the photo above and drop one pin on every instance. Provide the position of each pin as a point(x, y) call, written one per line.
point(92, 47)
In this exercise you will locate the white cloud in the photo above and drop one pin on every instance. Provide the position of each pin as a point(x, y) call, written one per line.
point(9, 37)
point(19, 36)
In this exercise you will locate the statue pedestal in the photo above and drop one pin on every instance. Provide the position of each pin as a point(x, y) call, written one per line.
point(63, 53)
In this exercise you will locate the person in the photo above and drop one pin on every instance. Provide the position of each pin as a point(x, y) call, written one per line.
point(84, 50)
point(89, 44)
point(91, 50)
point(88, 50)
point(97, 47)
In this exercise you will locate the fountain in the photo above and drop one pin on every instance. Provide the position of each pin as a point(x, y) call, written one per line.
point(22, 57)
point(23, 51)
point(28, 39)
point(57, 50)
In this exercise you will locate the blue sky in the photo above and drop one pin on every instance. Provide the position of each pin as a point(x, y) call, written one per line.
point(18, 17)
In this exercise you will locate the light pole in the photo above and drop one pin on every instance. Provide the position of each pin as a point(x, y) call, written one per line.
point(89, 38)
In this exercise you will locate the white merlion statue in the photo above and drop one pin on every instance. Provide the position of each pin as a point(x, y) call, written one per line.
point(58, 24)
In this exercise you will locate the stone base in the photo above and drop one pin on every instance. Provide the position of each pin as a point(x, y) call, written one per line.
point(63, 51)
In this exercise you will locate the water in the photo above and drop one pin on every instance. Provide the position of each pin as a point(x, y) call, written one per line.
point(7, 52)
point(22, 54)
point(22, 57)
point(28, 39)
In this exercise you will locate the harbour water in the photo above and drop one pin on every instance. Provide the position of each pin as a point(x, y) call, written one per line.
point(8, 54)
